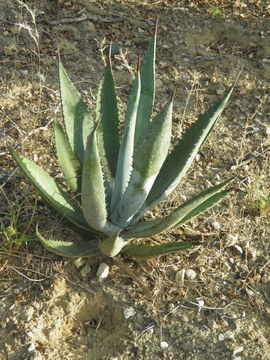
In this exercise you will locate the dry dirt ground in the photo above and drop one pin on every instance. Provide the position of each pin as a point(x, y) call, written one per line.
point(55, 308)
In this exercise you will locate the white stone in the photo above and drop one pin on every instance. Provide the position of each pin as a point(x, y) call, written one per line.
point(29, 313)
point(239, 249)
point(32, 347)
point(226, 335)
point(200, 303)
point(164, 344)
point(216, 225)
point(129, 312)
point(221, 337)
point(180, 275)
point(249, 292)
point(208, 184)
point(238, 350)
point(190, 274)
point(103, 271)
point(79, 262)
point(24, 71)
point(231, 240)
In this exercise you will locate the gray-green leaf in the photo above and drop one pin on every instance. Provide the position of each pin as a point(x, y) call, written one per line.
point(108, 125)
point(93, 191)
point(78, 122)
point(147, 96)
point(180, 159)
point(50, 191)
point(201, 202)
point(124, 164)
point(149, 156)
point(66, 158)
point(71, 248)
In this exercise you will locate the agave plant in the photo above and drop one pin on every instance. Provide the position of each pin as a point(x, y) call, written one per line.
point(115, 179)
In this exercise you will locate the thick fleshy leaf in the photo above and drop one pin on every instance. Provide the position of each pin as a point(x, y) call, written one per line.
point(148, 251)
point(181, 157)
point(108, 125)
point(125, 158)
point(50, 191)
point(69, 164)
point(147, 72)
point(148, 158)
point(201, 202)
point(71, 248)
point(113, 245)
point(93, 191)
point(78, 122)
point(206, 205)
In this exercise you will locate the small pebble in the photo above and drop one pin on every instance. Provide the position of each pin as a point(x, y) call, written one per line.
point(29, 313)
point(200, 303)
point(238, 350)
point(79, 262)
point(212, 324)
point(103, 271)
point(190, 274)
point(251, 253)
point(32, 347)
point(129, 312)
point(216, 225)
point(249, 292)
point(183, 197)
point(208, 184)
point(171, 307)
point(180, 275)
point(238, 249)
point(226, 335)
point(85, 270)
point(231, 240)
point(164, 344)
point(119, 67)
point(221, 90)
point(159, 84)
point(24, 71)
